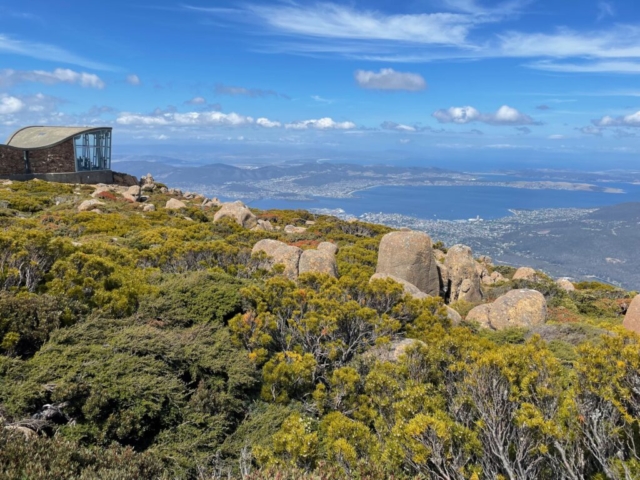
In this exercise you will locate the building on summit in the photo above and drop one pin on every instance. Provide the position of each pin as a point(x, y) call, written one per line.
point(65, 154)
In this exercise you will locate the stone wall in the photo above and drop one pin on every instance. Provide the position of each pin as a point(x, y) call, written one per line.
point(57, 159)
point(11, 160)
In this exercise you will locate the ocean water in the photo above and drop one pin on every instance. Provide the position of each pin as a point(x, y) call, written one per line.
point(457, 203)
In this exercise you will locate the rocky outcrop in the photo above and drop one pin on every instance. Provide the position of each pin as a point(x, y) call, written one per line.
point(148, 183)
point(281, 253)
point(464, 279)
point(517, 308)
point(238, 212)
point(318, 261)
point(491, 279)
point(632, 317)
point(89, 205)
point(565, 284)
point(526, 273)
point(175, 204)
point(408, 255)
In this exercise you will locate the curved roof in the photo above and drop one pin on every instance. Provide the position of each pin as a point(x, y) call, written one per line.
point(30, 138)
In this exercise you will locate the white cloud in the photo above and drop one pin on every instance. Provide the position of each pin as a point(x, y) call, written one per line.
point(389, 79)
point(196, 101)
point(505, 115)
point(182, 119)
point(631, 120)
point(133, 80)
point(321, 124)
point(266, 123)
point(10, 105)
point(557, 137)
point(591, 130)
point(457, 115)
point(59, 75)
point(319, 99)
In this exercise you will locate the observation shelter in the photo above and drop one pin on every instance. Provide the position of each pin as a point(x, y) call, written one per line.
point(58, 154)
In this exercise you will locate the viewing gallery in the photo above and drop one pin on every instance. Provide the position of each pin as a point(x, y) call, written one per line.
point(56, 150)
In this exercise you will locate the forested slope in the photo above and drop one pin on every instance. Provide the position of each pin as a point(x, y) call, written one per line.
point(153, 344)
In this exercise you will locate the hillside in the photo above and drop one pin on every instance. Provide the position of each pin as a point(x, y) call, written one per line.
point(180, 338)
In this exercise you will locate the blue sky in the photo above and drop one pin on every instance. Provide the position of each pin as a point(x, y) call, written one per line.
point(548, 83)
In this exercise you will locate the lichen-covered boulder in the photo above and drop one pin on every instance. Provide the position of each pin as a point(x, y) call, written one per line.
point(237, 211)
point(464, 278)
point(318, 261)
point(175, 204)
point(526, 273)
point(632, 317)
point(517, 308)
point(408, 255)
point(329, 247)
point(282, 254)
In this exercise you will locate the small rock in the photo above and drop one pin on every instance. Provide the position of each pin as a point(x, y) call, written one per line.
point(100, 189)
point(392, 351)
point(175, 204)
point(565, 284)
point(164, 190)
point(293, 229)
point(175, 191)
point(263, 226)
point(309, 222)
point(149, 208)
point(89, 205)
point(148, 187)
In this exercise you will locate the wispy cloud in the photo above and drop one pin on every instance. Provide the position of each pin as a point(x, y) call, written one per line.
point(319, 99)
point(455, 32)
point(10, 77)
point(47, 52)
point(221, 89)
point(133, 80)
point(605, 9)
point(388, 79)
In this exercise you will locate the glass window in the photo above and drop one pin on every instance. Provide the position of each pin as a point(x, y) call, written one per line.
point(93, 150)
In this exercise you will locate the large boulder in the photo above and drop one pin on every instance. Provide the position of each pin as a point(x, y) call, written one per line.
point(632, 318)
point(175, 204)
point(464, 278)
point(526, 273)
point(409, 256)
point(517, 308)
point(281, 253)
point(238, 212)
point(318, 261)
